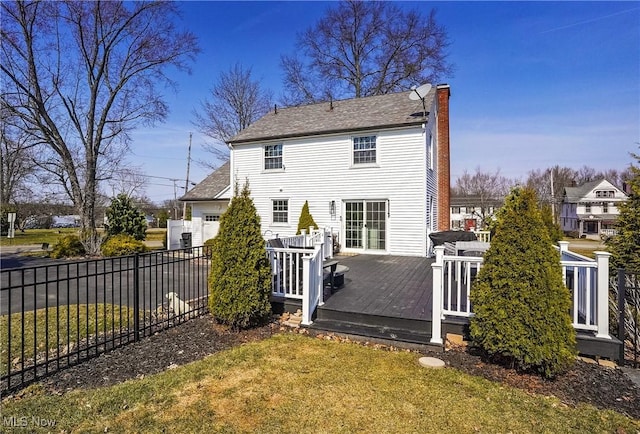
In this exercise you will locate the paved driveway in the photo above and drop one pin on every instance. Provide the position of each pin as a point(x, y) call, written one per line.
point(46, 282)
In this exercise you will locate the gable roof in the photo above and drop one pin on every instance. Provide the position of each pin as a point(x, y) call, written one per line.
point(211, 187)
point(356, 114)
point(574, 194)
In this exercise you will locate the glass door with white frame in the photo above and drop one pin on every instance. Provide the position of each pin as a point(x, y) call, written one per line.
point(365, 225)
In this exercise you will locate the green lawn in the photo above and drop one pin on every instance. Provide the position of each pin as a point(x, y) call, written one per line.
point(51, 236)
point(48, 327)
point(296, 384)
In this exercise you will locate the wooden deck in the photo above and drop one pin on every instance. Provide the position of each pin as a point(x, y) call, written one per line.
point(390, 286)
point(384, 298)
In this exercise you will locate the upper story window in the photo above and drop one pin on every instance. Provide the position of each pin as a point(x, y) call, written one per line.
point(587, 207)
point(455, 210)
point(273, 157)
point(280, 210)
point(605, 193)
point(605, 208)
point(364, 150)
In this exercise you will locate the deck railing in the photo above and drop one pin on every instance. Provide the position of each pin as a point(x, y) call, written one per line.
point(587, 279)
point(297, 272)
point(484, 236)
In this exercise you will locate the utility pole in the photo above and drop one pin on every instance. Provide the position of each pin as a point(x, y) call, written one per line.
point(186, 183)
point(553, 198)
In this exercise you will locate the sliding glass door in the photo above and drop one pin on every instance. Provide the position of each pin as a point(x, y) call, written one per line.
point(365, 225)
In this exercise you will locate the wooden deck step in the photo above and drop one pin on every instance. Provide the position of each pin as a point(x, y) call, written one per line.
point(404, 332)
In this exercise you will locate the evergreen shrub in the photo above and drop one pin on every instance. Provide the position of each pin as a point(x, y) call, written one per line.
point(122, 245)
point(240, 277)
point(306, 219)
point(124, 218)
point(68, 246)
point(520, 302)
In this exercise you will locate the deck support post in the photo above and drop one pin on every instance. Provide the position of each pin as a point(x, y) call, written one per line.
point(602, 295)
point(436, 320)
point(306, 290)
point(318, 272)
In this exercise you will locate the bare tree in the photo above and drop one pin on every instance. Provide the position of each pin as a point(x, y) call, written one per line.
point(235, 101)
point(16, 163)
point(81, 76)
point(486, 188)
point(365, 48)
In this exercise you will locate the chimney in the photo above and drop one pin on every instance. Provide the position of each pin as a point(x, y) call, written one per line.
point(444, 164)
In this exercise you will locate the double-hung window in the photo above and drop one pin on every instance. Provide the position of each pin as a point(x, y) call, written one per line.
point(364, 150)
point(273, 157)
point(280, 210)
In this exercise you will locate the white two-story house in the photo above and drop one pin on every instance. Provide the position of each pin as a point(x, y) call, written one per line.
point(375, 170)
point(591, 210)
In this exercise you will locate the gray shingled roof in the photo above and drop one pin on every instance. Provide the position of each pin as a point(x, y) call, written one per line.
point(211, 186)
point(357, 114)
point(574, 194)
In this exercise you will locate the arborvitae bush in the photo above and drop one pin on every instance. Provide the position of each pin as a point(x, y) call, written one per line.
point(520, 302)
point(625, 245)
point(124, 218)
point(306, 219)
point(122, 245)
point(67, 246)
point(240, 278)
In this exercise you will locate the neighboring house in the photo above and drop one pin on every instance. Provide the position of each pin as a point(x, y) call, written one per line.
point(374, 169)
point(591, 209)
point(471, 213)
point(208, 200)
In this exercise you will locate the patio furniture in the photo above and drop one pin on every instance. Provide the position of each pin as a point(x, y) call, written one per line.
point(333, 274)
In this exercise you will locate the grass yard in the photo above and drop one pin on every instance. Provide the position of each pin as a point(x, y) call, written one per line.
point(37, 236)
point(51, 236)
point(295, 384)
point(48, 327)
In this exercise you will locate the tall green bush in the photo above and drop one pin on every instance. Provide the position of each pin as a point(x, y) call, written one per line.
point(520, 302)
point(625, 245)
point(306, 219)
point(124, 218)
point(555, 232)
point(240, 278)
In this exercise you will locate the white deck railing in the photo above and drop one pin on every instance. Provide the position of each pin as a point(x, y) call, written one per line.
point(587, 279)
point(296, 269)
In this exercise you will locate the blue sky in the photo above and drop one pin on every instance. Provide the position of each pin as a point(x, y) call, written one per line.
point(535, 83)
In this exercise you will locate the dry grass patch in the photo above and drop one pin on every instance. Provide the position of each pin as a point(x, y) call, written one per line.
point(296, 384)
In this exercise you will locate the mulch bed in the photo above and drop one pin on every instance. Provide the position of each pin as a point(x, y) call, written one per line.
point(602, 387)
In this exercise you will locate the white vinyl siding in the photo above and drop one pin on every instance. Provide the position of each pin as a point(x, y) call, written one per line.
point(319, 171)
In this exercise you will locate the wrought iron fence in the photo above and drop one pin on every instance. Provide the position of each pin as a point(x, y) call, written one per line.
point(58, 315)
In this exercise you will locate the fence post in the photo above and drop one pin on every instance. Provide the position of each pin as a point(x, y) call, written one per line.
point(621, 313)
point(136, 297)
point(436, 319)
point(602, 294)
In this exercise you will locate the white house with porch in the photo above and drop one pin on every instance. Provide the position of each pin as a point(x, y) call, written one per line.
point(591, 209)
point(375, 170)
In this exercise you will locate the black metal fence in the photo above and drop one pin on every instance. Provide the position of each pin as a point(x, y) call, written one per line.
point(58, 315)
point(628, 286)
